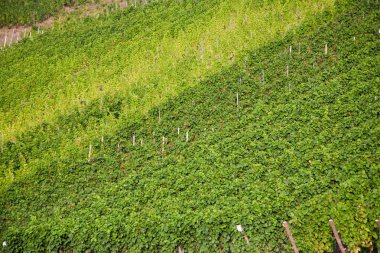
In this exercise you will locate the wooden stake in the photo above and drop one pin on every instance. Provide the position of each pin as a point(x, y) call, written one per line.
point(326, 49)
point(378, 229)
point(2, 142)
point(102, 140)
point(187, 136)
point(291, 239)
point(246, 239)
point(89, 153)
point(290, 49)
point(133, 140)
point(337, 238)
point(178, 131)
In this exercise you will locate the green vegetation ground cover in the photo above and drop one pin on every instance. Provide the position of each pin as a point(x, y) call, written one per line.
point(304, 148)
point(157, 47)
point(26, 12)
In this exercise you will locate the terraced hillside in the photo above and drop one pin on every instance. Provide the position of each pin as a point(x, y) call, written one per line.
point(219, 122)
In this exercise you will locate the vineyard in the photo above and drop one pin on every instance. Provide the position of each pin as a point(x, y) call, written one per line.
point(164, 126)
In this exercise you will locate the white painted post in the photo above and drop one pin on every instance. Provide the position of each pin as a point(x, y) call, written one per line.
point(287, 70)
point(5, 40)
point(133, 140)
point(237, 101)
point(187, 136)
point(178, 131)
point(326, 49)
point(290, 49)
point(159, 115)
point(89, 153)
point(102, 140)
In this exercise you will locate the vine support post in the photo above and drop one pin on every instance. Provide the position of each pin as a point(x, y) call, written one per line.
point(5, 40)
point(2, 142)
point(378, 231)
point(291, 239)
point(287, 70)
point(241, 230)
point(237, 101)
point(336, 235)
point(89, 158)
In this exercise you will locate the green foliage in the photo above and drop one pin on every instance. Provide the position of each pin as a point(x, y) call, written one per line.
point(302, 148)
point(26, 12)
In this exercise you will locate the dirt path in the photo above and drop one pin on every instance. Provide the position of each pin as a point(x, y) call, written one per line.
point(11, 35)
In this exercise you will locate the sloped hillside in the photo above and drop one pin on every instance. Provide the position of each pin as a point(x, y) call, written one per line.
point(21, 12)
point(285, 128)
